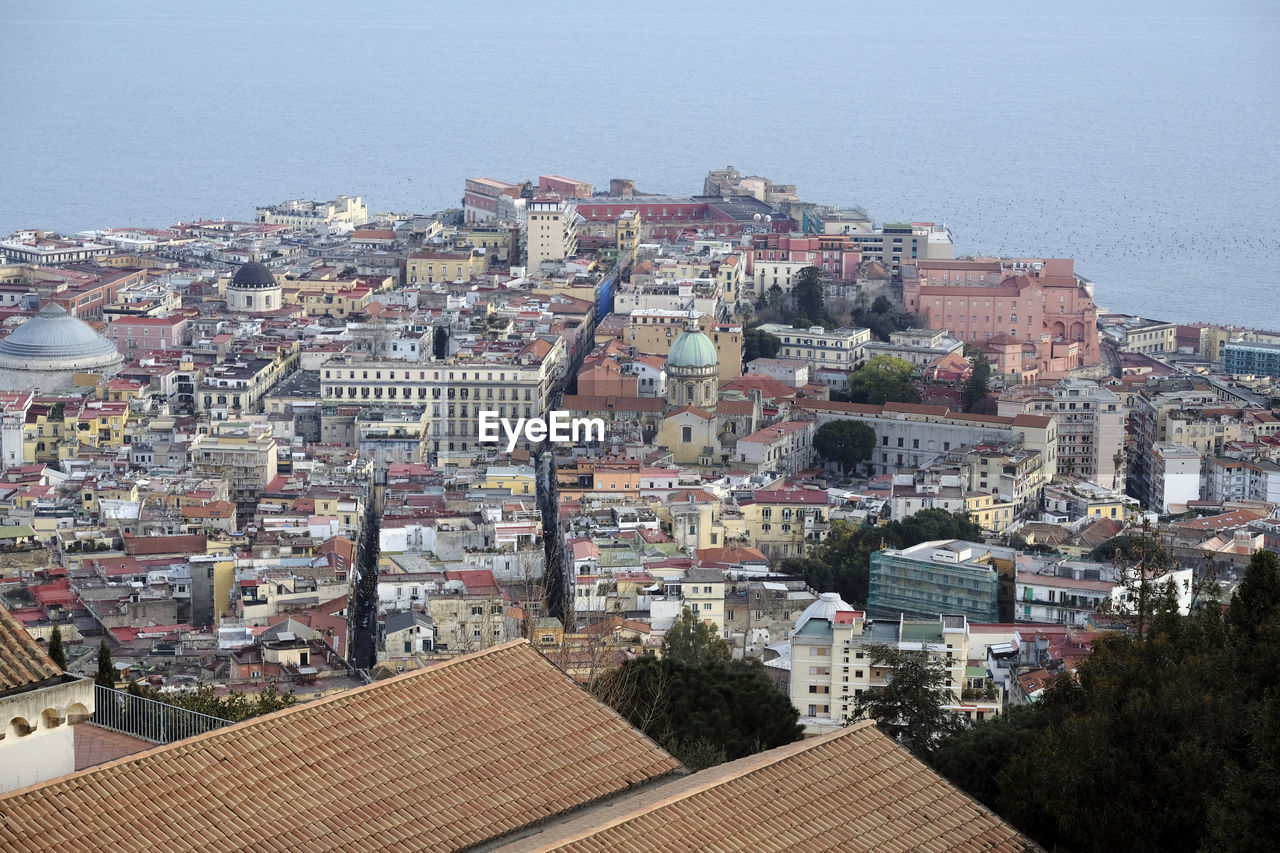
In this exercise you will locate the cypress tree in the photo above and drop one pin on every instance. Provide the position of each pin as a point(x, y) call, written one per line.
point(106, 669)
point(56, 651)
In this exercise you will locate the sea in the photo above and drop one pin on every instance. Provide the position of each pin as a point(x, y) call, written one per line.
point(1139, 138)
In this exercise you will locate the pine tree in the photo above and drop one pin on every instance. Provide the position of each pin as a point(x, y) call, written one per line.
point(106, 669)
point(56, 651)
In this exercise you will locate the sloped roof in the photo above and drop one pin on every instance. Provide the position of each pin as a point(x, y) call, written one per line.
point(852, 790)
point(438, 759)
point(23, 661)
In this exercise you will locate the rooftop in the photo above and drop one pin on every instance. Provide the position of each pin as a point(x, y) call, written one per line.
point(445, 757)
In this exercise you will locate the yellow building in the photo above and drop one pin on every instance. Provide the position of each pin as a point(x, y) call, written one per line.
point(652, 331)
point(431, 267)
point(990, 513)
point(629, 229)
point(703, 593)
point(516, 479)
point(551, 235)
point(785, 523)
point(243, 454)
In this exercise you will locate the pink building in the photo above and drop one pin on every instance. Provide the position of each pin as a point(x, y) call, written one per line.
point(1033, 318)
point(564, 187)
point(836, 254)
point(480, 200)
point(147, 334)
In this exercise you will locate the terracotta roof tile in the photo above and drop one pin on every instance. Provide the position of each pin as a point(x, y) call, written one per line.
point(852, 790)
point(442, 758)
point(23, 661)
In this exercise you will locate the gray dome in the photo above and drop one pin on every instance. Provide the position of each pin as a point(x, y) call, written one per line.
point(253, 276)
point(826, 607)
point(54, 340)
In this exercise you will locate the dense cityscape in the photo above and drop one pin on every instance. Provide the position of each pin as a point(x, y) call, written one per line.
point(313, 481)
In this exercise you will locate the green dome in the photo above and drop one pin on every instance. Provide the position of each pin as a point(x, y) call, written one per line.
point(692, 349)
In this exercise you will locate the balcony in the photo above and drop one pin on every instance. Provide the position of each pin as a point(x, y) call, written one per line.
point(148, 719)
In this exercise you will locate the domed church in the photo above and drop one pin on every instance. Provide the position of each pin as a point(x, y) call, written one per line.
point(693, 389)
point(48, 350)
point(253, 288)
point(693, 370)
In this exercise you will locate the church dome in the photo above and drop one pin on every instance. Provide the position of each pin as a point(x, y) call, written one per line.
point(53, 338)
point(692, 349)
point(826, 607)
point(253, 276)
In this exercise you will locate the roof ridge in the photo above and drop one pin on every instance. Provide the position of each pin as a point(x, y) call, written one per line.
point(343, 695)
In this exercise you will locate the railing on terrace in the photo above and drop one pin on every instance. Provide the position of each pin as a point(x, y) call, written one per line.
point(149, 719)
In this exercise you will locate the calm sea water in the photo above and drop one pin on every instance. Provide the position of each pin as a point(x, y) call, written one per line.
point(1139, 138)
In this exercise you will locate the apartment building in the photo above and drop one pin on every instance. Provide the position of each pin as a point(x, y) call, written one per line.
point(785, 447)
point(781, 522)
point(774, 259)
point(1138, 334)
point(1090, 420)
point(480, 200)
point(893, 245)
point(431, 267)
point(1239, 480)
point(842, 349)
point(918, 346)
point(832, 663)
point(1070, 593)
point(1013, 474)
point(241, 453)
point(348, 211)
point(239, 385)
point(550, 235)
point(1251, 358)
point(943, 576)
point(914, 436)
point(513, 379)
point(1174, 478)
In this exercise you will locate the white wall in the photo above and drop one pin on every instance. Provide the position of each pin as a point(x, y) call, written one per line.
point(49, 750)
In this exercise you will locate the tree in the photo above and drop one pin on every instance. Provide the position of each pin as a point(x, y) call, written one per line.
point(807, 294)
point(1140, 572)
point(774, 297)
point(884, 379)
point(1166, 740)
point(911, 706)
point(974, 756)
point(846, 442)
point(976, 386)
point(56, 651)
point(842, 563)
point(692, 641)
point(701, 713)
point(757, 343)
point(106, 675)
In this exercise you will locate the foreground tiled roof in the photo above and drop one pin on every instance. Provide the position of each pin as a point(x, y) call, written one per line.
point(852, 790)
point(438, 759)
point(23, 661)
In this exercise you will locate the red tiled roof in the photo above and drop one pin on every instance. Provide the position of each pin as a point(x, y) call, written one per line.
point(854, 789)
point(443, 758)
point(23, 661)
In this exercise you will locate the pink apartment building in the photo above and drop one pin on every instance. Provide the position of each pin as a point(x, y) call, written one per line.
point(147, 334)
point(835, 254)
